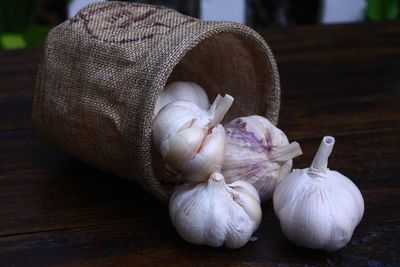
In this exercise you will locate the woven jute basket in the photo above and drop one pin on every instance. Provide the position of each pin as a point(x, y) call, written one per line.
point(103, 70)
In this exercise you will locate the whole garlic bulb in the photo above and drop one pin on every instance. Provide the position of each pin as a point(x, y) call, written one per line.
point(184, 135)
point(257, 152)
point(182, 91)
point(215, 213)
point(318, 208)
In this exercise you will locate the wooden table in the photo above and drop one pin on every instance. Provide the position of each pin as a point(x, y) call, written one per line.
point(338, 80)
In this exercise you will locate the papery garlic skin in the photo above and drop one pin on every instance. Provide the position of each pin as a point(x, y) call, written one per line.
point(182, 91)
point(215, 213)
point(318, 208)
point(259, 153)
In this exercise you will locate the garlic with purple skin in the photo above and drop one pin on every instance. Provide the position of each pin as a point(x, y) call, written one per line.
point(257, 152)
point(215, 213)
point(318, 208)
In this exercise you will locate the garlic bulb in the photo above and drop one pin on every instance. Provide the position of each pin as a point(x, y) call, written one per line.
point(184, 135)
point(259, 153)
point(215, 213)
point(182, 91)
point(318, 208)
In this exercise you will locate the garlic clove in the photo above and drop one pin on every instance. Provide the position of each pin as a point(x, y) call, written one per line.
point(209, 214)
point(171, 119)
point(193, 153)
point(302, 229)
point(184, 146)
point(182, 91)
point(248, 198)
point(209, 157)
point(259, 153)
point(318, 208)
point(245, 186)
point(179, 115)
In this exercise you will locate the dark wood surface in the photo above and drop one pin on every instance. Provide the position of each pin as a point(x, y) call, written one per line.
point(338, 80)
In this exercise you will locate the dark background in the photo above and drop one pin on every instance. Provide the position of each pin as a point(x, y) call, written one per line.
point(25, 23)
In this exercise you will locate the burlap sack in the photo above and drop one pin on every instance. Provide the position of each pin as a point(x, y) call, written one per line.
point(103, 69)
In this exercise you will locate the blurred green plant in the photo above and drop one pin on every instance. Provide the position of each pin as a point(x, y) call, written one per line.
point(17, 24)
point(383, 10)
point(16, 16)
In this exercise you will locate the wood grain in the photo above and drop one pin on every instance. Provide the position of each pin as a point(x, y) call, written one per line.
point(338, 80)
point(17, 82)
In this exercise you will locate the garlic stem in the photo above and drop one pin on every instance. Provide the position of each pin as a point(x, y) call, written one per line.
point(320, 163)
point(285, 153)
point(220, 107)
point(217, 177)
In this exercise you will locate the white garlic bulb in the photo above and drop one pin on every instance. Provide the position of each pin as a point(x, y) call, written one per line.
point(184, 135)
point(182, 91)
point(318, 208)
point(259, 153)
point(215, 213)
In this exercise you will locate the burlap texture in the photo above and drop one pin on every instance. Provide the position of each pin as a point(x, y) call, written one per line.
point(102, 71)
